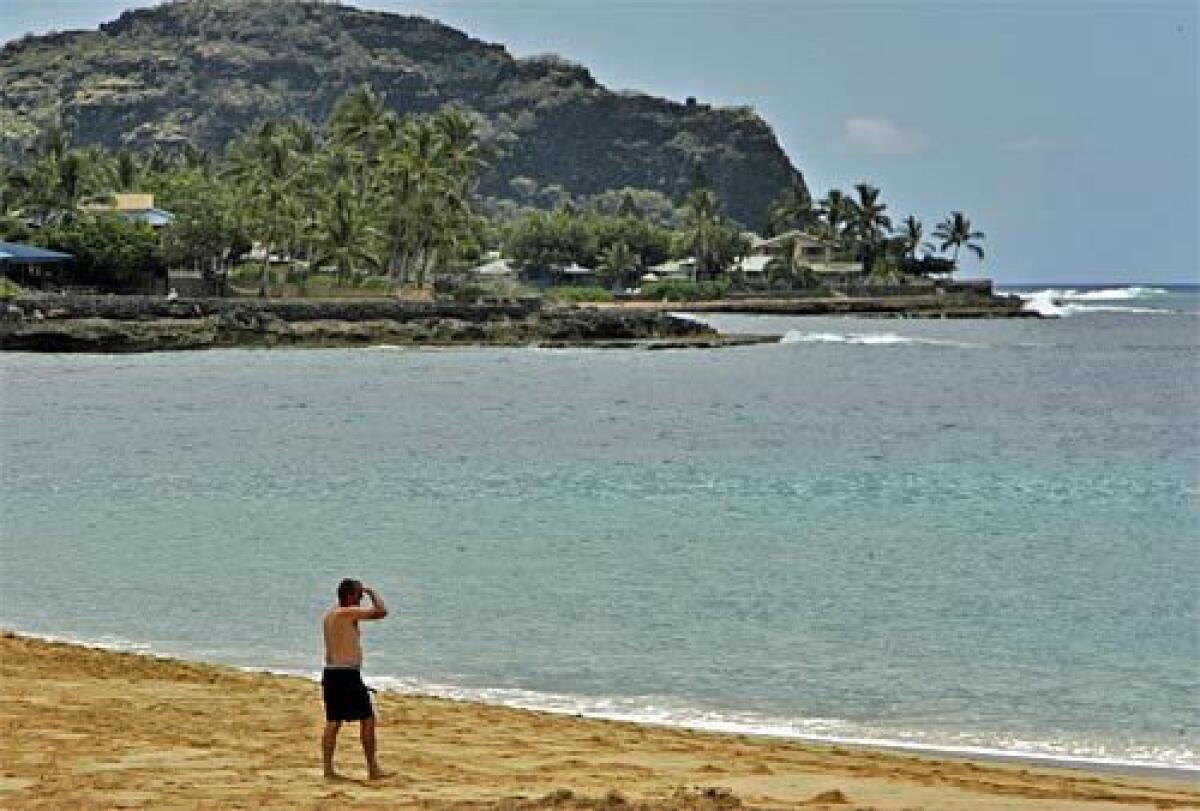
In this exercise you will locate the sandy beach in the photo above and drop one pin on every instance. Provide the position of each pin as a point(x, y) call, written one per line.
point(90, 728)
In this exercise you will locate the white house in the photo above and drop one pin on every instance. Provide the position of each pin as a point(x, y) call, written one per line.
point(496, 268)
point(684, 269)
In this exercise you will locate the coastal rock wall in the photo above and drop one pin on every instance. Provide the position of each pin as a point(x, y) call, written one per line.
point(934, 305)
point(142, 324)
point(141, 308)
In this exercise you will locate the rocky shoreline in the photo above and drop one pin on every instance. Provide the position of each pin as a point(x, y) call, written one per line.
point(143, 324)
point(924, 305)
point(151, 324)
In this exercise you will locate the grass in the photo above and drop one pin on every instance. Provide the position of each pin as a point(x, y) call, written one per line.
point(10, 289)
point(673, 290)
point(578, 294)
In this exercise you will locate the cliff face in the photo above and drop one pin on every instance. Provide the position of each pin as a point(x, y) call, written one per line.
point(205, 70)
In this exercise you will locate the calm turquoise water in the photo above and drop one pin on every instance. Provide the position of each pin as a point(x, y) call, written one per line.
point(958, 534)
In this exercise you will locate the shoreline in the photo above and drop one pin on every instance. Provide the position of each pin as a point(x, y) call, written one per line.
point(970, 306)
point(130, 324)
point(464, 695)
point(456, 751)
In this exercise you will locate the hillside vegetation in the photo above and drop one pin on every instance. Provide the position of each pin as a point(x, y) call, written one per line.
point(205, 71)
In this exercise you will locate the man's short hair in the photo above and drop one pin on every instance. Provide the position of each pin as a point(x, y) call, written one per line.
point(347, 589)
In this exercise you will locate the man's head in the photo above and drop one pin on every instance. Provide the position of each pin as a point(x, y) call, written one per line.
point(350, 592)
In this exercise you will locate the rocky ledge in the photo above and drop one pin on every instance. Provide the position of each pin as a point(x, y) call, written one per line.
point(892, 306)
point(142, 324)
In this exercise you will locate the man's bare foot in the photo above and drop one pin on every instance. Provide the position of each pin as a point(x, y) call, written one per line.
point(379, 774)
point(334, 777)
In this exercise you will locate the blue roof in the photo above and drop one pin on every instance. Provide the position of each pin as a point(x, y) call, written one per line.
point(155, 217)
point(14, 252)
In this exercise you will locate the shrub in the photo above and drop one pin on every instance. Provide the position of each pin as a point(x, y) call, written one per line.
point(380, 283)
point(466, 289)
point(683, 290)
point(10, 289)
point(577, 294)
point(246, 272)
point(319, 284)
point(110, 253)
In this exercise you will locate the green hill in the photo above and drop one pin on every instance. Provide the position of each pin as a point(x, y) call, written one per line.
point(205, 70)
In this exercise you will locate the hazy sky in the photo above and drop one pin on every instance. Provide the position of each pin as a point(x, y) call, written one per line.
point(1067, 131)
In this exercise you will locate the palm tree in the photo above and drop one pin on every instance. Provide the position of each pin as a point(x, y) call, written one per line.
point(70, 180)
point(310, 181)
point(13, 189)
point(124, 173)
point(200, 160)
point(911, 231)
point(460, 138)
point(792, 209)
point(344, 236)
point(421, 192)
point(265, 165)
point(956, 231)
point(835, 210)
point(702, 228)
point(868, 222)
point(54, 142)
point(616, 261)
point(363, 124)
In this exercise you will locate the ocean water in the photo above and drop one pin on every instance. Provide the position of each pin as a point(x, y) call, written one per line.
point(970, 535)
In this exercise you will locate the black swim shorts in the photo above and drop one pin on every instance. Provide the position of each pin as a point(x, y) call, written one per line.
point(346, 697)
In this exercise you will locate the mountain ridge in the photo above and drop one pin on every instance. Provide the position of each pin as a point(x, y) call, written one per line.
point(203, 71)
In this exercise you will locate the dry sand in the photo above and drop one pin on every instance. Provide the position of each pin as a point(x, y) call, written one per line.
point(88, 728)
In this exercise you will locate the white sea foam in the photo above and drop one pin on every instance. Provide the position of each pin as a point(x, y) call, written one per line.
point(1113, 294)
point(1098, 308)
point(1056, 302)
point(662, 711)
point(867, 339)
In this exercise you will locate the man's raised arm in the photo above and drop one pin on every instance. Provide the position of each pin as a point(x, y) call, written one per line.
point(378, 610)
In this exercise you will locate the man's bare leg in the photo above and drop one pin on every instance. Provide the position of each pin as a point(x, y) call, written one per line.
point(366, 734)
point(328, 745)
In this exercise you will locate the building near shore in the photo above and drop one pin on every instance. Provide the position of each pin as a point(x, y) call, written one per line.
point(753, 266)
point(135, 207)
point(34, 267)
point(495, 269)
point(676, 269)
point(572, 275)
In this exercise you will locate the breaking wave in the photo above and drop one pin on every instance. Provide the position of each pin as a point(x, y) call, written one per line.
point(867, 339)
point(1064, 302)
point(665, 711)
point(1112, 294)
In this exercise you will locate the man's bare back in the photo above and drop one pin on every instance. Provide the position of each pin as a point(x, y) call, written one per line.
point(342, 646)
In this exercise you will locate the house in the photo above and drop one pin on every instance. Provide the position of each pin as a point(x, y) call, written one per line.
point(578, 276)
point(30, 266)
point(495, 269)
point(805, 248)
point(753, 266)
point(572, 275)
point(135, 207)
point(753, 240)
point(676, 269)
point(811, 253)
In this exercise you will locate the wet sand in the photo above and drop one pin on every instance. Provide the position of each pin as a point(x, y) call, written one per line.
point(87, 728)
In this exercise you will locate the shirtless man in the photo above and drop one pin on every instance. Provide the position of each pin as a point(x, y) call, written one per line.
point(346, 697)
